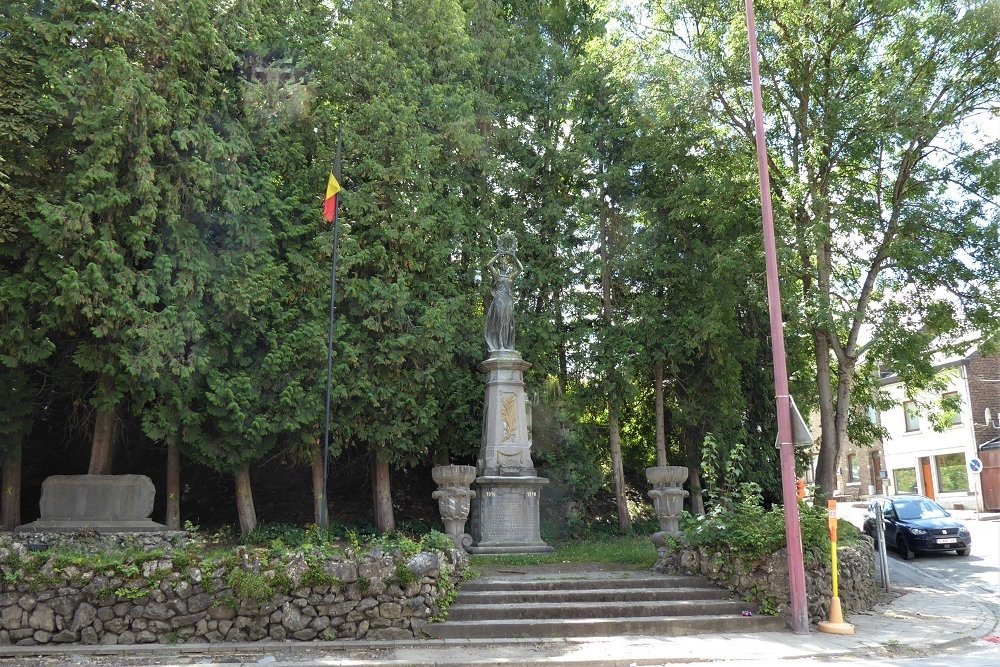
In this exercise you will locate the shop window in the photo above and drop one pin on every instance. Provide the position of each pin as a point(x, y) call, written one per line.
point(951, 473)
point(853, 469)
point(905, 480)
point(912, 418)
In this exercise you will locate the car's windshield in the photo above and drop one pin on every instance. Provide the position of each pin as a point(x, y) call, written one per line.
point(918, 508)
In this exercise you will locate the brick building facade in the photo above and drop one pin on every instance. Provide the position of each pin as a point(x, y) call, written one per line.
point(984, 392)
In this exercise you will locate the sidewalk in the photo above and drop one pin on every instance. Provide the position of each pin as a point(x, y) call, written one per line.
point(928, 617)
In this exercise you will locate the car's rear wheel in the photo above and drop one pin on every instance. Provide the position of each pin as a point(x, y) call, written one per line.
point(903, 549)
point(963, 552)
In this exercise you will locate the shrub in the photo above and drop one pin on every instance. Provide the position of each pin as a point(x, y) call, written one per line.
point(404, 575)
point(249, 585)
point(436, 541)
point(267, 533)
point(757, 532)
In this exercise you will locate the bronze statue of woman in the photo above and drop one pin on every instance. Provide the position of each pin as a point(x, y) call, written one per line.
point(504, 268)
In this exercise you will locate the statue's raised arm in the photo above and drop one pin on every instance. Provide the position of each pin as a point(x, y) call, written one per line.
point(504, 267)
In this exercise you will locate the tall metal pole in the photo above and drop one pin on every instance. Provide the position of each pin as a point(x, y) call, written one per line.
point(796, 570)
point(323, 518)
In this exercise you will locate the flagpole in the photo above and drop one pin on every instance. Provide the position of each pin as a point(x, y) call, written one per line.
point(324, 520)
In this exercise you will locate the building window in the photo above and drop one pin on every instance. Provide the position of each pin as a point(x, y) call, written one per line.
point(873, 415)
point(951, 473)
point(912, 419)
point(905, 480)
point(952, 397)
point(853, 469)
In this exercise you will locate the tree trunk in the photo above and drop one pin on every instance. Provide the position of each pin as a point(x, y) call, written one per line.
point(382, 495)
point(661, 431)
point(173, 487)
point(618, 470)
point(10, 500)
point(845, 383)
point(561, 332)
point(693, 456)
point(316, 461)
point(244, 501)
point(102, 448)
point(829, 448)
point(614, 433)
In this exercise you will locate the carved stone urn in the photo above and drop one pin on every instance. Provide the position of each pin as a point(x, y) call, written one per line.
point(453, 496)
point(668, 499)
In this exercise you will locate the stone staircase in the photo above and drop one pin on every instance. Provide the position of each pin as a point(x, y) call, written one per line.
point(595, 604)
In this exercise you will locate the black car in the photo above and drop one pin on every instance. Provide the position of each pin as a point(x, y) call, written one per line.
point(916, 523)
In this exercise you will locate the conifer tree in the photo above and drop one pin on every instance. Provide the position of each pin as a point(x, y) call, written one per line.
point(408, 131)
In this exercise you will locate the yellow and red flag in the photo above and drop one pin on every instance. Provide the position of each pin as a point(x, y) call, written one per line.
point(330, 202)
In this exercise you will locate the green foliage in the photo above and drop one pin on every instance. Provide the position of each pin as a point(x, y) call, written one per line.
point(436, 541)
point(723, 475)
point(316, 577)
point(161, 251)
point(259, 587)
point(768, 606)
point(756, 533)
point(266, 533)
point(404, 575)
point(131, 594)
point(880, 185)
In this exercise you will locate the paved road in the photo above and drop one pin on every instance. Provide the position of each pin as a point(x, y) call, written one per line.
point(982, 654)
point(977, 574)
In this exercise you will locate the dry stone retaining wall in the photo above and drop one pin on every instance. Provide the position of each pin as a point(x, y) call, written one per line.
point(767, 579)
point(366, 597)
point(91, 541)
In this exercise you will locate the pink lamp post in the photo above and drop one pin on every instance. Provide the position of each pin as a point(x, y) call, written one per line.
point(796, 570)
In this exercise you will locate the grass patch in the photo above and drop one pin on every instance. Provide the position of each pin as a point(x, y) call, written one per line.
point(635, 551)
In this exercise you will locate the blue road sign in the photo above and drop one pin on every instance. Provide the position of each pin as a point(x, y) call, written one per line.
point(975, 465)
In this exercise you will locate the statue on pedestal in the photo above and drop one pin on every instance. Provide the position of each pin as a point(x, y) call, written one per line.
point(504, 267)
point(505, 509)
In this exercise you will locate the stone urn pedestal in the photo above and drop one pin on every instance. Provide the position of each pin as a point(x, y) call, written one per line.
point(454, 497)
point(668, 499)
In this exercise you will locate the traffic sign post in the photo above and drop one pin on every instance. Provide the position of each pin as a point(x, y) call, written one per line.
point(976, 467)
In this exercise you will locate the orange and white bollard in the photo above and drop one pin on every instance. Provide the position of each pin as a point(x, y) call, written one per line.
point(836, 624)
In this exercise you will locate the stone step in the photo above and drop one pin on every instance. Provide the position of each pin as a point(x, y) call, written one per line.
point(664, 626)
point(596, 610)
point(591, 595)
point(577, 583)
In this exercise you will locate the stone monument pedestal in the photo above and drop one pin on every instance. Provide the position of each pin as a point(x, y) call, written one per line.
point(506, 445)
point(102, 503)
point(505, 516)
